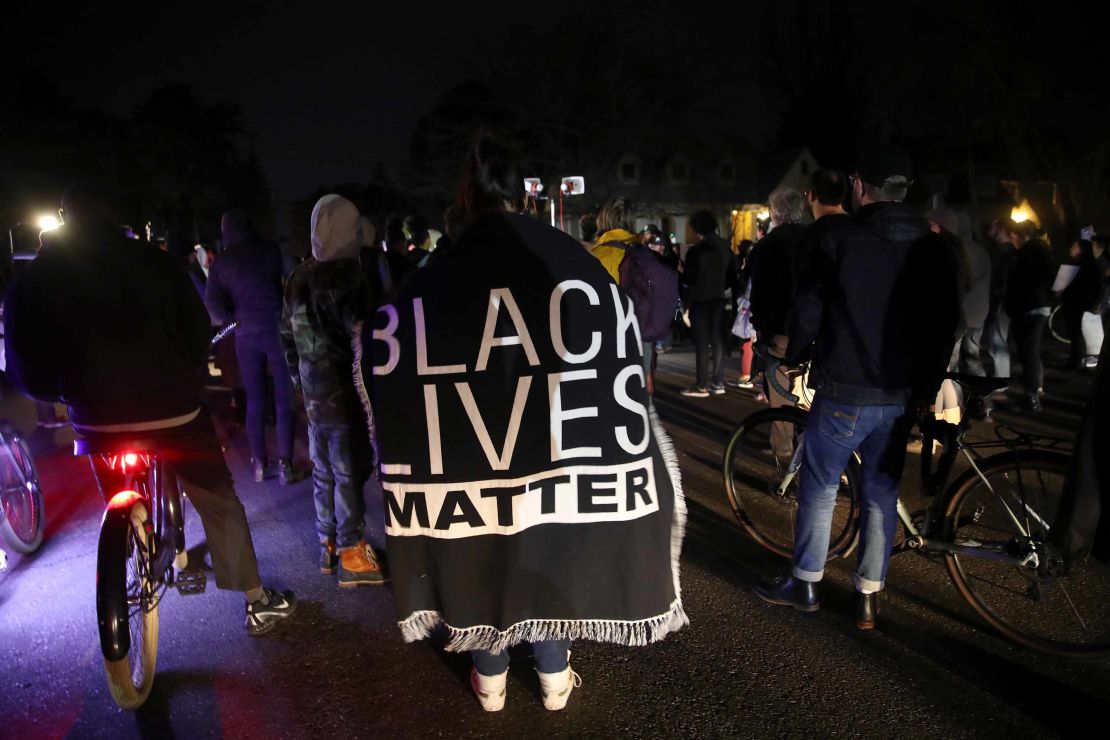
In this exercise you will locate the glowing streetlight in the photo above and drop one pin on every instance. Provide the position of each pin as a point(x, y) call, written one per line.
point(1023, 212)
point(48, 222)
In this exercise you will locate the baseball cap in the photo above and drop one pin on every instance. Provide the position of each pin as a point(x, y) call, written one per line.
point(881, 162)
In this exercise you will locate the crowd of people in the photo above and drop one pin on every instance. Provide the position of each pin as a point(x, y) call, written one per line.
point(500, 386)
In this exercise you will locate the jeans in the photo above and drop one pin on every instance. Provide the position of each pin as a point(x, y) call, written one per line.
point(1028, 333)
point(257, 352)
point(996, 340)
point(706, 318)
point(550, 657)
point(834, 431)
point(341, 466)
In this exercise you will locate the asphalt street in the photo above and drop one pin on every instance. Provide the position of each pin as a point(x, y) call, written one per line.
point(340, 669)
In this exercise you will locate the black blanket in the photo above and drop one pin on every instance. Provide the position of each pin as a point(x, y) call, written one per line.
point(530, 494)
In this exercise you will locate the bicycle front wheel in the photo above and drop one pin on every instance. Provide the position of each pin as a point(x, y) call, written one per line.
point(760, 470)
point(1009, 571)
point(22, 520)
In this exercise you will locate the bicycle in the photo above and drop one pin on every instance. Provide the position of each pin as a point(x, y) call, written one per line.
point(992, 523)
point(761, 464)
point(140, 554)
point(22, 512)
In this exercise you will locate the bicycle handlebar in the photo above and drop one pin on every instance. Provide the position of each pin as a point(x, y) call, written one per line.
point(770, 367)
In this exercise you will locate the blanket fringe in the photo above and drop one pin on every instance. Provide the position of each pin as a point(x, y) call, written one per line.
point(483, 637)
point(360, 388)
point(678, 521)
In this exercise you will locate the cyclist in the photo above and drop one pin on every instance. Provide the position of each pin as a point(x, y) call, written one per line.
point(113, 327)
point(879, 297)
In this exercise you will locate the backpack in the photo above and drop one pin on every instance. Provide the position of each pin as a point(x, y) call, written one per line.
point(652, 285)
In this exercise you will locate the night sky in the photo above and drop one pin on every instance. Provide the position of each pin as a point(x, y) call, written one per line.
point(328, 89)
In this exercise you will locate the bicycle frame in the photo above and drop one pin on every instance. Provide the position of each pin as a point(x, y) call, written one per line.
point(935, 482)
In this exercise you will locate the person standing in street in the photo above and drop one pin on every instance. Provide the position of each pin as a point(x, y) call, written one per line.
point(996, 329)
point(615, 224)
point(653, 287)
point(1080, 303)
point(130, 336)
point(1028, 306)
point(327, 299)
point(244, 286)
point(879, 303)
point(531, 496)
point(709, 270)
point(774, 263)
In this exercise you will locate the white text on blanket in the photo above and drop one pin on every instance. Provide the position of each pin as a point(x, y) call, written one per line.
point(632, 440)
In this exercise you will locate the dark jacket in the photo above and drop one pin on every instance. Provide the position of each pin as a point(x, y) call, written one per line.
point(774, 261)
point(1030, 280)
point(710, 270)
point(1001, 263)
point(1084, 290)
point(110, 326)
point(880, 297)
point(244, 285)
point(325, 306)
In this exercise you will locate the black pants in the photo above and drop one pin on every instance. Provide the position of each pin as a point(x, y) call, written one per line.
point(1073, 323)
point(705, 323)
point(257, 352)
point(193, 453)
point(1028, 331)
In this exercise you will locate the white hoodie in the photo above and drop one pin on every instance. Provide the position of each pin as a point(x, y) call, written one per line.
point(336, 230)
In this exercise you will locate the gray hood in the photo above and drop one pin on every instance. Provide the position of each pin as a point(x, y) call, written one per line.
point(335, 229)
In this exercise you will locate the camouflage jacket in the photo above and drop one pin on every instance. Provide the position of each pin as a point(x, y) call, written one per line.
point(321, 320)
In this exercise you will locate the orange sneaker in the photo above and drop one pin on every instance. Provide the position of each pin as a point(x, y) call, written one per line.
point(359, 566)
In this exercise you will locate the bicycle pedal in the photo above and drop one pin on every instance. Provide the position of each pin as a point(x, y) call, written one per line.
point(189, 583)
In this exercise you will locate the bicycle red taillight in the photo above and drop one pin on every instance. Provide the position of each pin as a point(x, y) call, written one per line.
point(127, 461)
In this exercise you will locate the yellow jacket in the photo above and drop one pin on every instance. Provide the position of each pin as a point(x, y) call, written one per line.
point(609, 249)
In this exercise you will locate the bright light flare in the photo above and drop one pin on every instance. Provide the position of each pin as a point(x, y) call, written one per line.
point(46, 222)
point(1023, 212)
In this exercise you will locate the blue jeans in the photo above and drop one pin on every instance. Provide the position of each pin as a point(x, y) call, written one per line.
point(256, 353)
point(550, 657)
point(340, 468)
point(834, 431)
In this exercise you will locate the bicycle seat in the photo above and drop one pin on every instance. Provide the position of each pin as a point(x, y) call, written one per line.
point(978, 385)
point(116, 444)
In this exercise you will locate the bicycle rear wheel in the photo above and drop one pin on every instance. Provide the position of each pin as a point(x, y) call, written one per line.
point(131, 676)
point(22, 520)
point(1047, 604)
point(761, 482)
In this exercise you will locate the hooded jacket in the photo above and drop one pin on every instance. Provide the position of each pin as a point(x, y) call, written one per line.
point(110, 326)
point(326, 300)
point(244, 284)
point(880, 296)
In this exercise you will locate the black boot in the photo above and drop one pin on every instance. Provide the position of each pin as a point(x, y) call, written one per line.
point(867, 608)
point(287, 474)
point(802, 595)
